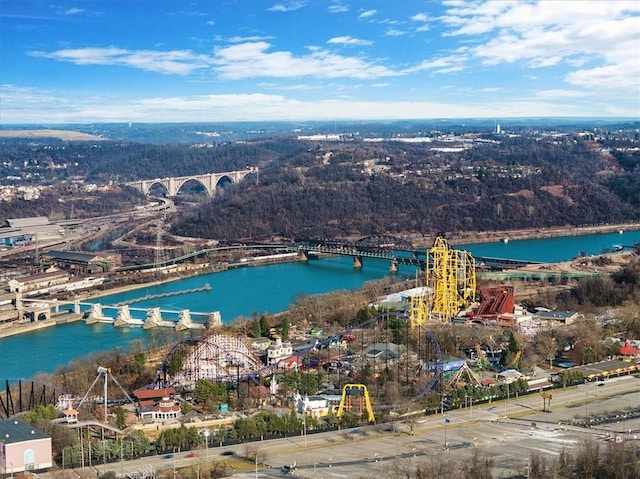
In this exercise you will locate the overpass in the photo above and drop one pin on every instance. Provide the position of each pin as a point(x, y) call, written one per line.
point(208, 180)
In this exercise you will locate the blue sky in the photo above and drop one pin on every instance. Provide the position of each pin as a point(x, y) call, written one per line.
point(227, 60)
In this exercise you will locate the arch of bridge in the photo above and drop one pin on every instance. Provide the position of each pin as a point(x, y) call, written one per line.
point(209, 181)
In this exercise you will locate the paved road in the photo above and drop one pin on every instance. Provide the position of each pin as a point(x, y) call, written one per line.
point(502, 430)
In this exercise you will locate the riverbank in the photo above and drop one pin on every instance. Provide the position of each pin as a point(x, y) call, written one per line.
point(473, 237)
point(566, 269)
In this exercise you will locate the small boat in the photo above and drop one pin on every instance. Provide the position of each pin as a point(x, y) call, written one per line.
point(617, 248)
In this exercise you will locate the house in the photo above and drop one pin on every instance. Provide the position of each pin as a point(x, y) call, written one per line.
point(165, 409)
point(260, 344)
point(317, 406)
point(559, 318)
point(278, 350)
point(23, 448)
point(157, 404)
point(384, 351)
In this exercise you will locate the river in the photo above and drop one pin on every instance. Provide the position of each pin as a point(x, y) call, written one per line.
point(243, 291)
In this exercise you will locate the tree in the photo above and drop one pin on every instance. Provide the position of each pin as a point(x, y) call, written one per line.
point(284, 328)
point(256, 330)
point(265, 327)
point(545, 345)
point(478, 467)
point(121, 422)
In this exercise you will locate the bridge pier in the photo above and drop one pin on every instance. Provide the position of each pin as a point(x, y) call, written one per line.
point(303, 255)
point(357, 262)
point(393, 267)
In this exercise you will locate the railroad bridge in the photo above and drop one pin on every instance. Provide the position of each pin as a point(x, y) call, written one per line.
point(395, 250)
point(209, 181)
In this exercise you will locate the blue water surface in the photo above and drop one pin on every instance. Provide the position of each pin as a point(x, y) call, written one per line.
point(245, 291)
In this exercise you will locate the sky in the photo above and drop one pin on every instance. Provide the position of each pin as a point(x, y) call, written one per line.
point(89, 61)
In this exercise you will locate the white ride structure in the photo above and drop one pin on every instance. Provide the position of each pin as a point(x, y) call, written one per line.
point(219, 358)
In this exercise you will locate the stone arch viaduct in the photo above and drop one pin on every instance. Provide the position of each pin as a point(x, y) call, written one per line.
point(208, 180)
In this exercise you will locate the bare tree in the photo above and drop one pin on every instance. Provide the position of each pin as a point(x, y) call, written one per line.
point(545, 345)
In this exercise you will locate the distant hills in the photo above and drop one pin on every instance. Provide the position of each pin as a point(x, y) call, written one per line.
point(184, 133)
point(416, 177)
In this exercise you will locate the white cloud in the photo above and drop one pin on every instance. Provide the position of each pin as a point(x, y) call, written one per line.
point(393, 32)
point(242, 60)
point(178, 62)
point(560, 94)
point(286, 7)
point(367, 14)
point(445, 64)
point(73, 11)
point(252, 60)
point(347, 40)
point(543, 34)
point(254, 38)
point(338, 8)
point(420, 17)
point(24, 105)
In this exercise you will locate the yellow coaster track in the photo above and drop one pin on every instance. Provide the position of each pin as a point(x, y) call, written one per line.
point(450, 277)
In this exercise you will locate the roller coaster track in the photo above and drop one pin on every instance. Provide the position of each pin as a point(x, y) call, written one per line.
point(230, 372)
point(21, 396)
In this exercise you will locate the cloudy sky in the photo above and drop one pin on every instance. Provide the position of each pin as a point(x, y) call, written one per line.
point(225, 60)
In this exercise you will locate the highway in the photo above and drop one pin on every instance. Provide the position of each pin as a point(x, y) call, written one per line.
point(502, 429)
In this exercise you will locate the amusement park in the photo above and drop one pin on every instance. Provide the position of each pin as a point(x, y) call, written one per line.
point(394, 362)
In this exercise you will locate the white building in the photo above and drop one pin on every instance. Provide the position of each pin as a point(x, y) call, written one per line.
point(278, 351)
point(317, 406)
point(166, 409)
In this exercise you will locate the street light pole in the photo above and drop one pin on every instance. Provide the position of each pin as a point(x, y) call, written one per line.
point(586, 415)
point(507, 401)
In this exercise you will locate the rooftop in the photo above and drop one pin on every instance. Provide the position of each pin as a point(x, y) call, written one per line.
point(12, 431)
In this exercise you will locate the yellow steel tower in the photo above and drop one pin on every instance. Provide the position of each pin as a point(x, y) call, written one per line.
point(450, 278)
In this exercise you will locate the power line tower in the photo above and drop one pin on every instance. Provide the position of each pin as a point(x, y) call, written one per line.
point(159, 256)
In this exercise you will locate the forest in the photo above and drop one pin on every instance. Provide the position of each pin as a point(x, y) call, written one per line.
point(350, 188)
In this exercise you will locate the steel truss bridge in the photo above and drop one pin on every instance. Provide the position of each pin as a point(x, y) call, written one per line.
point(389, 248)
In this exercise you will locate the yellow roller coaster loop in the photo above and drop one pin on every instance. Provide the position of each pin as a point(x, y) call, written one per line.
point(450, 278)
point(360, 393)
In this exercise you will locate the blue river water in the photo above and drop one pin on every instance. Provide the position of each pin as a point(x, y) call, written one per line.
point(244, 291)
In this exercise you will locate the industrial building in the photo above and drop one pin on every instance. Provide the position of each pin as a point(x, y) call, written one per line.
point(18, 232)
point(82, 263)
